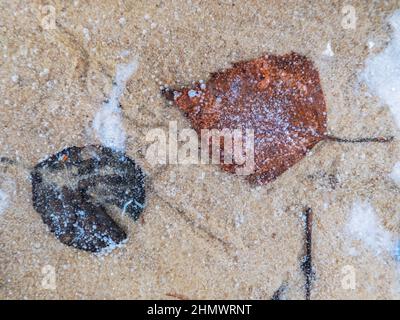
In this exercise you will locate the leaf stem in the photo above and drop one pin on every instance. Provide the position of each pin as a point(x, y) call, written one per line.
point(359, 140)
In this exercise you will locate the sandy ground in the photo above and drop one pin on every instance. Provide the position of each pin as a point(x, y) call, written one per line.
point(220, 238)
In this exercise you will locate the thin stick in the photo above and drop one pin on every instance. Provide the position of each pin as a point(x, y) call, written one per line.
point(279, 292)
point(359, 140)
point(306, 264)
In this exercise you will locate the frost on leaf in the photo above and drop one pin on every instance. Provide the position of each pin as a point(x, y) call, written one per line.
point(73, 190)
point(279, 97)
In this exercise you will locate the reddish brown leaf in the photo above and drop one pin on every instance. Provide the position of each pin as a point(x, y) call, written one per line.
point(279, 97)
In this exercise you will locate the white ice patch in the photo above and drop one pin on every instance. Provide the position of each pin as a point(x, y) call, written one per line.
point(365, 226)
point(328, 51)
point(4, 201)
point(107, 123)
point(382, 72)
point(86, 34)
point(111, 246)
point(371, 44)
point(239, 219)
point(395, 174)
point(122, 21)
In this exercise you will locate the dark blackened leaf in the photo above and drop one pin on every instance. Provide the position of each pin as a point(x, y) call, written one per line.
point(72, 189)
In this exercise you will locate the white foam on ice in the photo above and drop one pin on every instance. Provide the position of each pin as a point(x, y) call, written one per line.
point(107, 122)
point(328, 52)
point(4, 201)
point(395, 174)
point(382, 72)
point(365, 226)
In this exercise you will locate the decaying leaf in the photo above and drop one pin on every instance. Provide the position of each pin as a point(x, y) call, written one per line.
point(279, 97)
point(73, 190)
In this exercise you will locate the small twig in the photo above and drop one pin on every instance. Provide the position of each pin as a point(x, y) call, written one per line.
point(177, 296)
point(279, 292)
point(359, 140)
point(195, 225)
point(306, 264)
